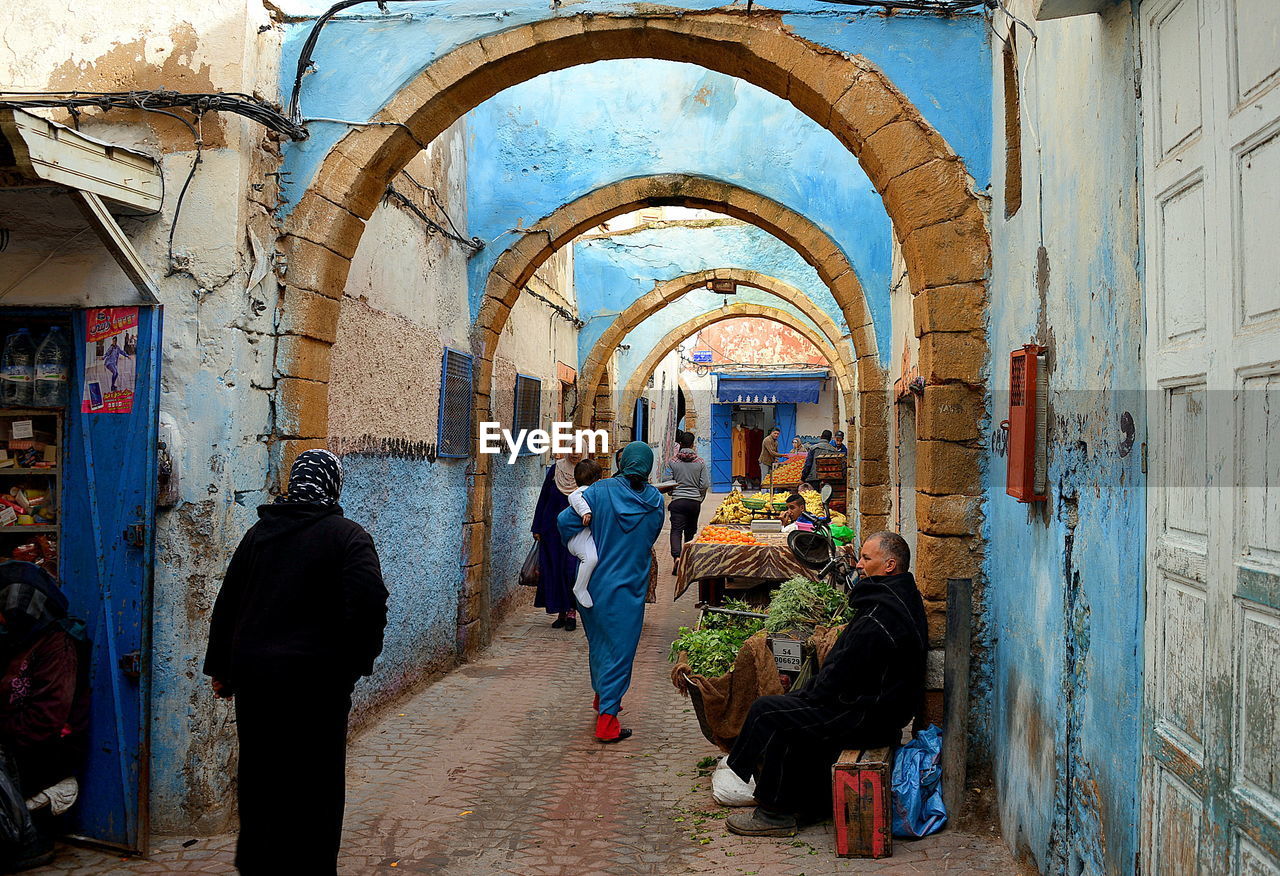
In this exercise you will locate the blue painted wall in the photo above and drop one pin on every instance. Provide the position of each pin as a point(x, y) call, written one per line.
point(413, 509)
point(515, 496)
point(610, 274)
point(555, 138)
point(1064, 598)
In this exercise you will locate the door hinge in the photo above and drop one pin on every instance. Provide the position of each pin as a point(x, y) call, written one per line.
point(131, 664)
point(135, 535)
point(1144, 457)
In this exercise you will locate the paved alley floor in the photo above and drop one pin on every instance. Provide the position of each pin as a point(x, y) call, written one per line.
point(493, 769)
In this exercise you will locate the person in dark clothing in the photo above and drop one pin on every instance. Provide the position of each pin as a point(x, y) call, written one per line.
point(298, 621)
point(557, 568)
point(867, 690)
point(809, 474)
point(689, 471)
point(44, 699)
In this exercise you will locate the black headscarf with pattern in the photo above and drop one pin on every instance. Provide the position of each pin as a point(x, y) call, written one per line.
point(315, 479)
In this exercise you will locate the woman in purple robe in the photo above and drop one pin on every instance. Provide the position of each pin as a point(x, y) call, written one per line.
point(556, 566)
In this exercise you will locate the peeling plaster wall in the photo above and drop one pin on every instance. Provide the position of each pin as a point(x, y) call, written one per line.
point(404, 303)
point(1066, 577)
point(217, 367)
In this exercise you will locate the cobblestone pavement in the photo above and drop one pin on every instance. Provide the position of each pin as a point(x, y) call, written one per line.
point(493, 769)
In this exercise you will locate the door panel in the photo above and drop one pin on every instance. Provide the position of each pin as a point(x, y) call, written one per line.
point(721, 447)
point(107, 561)
point(785, 417)
point(1211, 175)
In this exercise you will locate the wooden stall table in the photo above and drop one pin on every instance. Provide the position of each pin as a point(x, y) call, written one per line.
point(736, 566)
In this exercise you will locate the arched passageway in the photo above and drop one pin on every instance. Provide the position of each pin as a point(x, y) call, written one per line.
point(837, 348)
point(636, 382)
point(927, 192)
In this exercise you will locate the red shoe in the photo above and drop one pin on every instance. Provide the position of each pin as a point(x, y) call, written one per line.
point(595, 704)
point(608, 730)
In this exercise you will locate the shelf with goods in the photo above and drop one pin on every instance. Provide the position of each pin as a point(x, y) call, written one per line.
point(31, 494)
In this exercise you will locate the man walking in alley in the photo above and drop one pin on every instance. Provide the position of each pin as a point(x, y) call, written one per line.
point(298, 620)
point(866, 691)
point(823, 448)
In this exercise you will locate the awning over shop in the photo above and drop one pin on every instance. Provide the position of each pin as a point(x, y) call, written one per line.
point(770, 389)
point(100, 177)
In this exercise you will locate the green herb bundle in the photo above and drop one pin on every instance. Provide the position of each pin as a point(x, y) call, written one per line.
point(800, 605)
point(712, 650)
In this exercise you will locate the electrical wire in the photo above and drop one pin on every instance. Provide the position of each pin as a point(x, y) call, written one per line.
point(159, 101)
point(394, 195)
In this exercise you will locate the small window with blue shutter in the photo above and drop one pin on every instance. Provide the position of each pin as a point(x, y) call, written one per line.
point(453, 431)
point(528, 407)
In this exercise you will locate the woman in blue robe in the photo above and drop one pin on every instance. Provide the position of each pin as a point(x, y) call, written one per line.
point(626, 517)
point(556, 566)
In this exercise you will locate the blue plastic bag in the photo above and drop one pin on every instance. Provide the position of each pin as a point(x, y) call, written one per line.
point(917, 786)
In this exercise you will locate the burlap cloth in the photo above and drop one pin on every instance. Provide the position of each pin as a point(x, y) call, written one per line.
point(726, 699)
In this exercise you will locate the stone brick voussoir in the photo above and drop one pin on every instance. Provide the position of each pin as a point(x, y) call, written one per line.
point(948, 253)
point(948, 515)
point(325, 223)
point(954, 412)
point(945, 467)
point(960, 308)
point(303, 312)
point(931, 193)
point(302, 408)
point(313, 267)
point(298, 356)
point(867, 105)
point(952, 357)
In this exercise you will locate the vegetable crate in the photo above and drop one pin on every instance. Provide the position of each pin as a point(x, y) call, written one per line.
point(861, 786)
point(830, 468)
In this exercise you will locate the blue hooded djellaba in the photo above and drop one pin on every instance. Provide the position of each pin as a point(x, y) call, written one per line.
point(625, 523)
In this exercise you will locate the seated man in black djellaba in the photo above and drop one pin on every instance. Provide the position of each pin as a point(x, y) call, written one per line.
point(869, 687)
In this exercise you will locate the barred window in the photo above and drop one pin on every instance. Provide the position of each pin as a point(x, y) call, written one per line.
point(528, 406)
point(453, 431)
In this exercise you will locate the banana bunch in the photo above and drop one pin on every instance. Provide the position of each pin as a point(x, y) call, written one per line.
point(732, 510)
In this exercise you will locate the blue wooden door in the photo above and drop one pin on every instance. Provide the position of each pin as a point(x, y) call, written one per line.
point(108, 537)
point(721, 448)
point(785, 416)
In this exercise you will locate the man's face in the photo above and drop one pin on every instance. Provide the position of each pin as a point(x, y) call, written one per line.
point(873, 560)
point(774, 434)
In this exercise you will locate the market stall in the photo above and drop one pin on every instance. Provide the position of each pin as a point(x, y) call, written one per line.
point(732, 558)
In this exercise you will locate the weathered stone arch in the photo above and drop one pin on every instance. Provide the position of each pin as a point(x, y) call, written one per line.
point(928, 194)
point(672, 339)
point(839, 351)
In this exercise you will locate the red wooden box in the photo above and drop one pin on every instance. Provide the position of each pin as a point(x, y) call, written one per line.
point(861, 788)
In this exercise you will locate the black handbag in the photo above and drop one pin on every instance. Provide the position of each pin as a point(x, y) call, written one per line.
point(530, 575)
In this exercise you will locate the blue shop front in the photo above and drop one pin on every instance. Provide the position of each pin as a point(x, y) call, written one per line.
point(79, 394)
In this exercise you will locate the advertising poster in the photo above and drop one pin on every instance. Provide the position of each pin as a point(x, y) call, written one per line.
point(111, 354)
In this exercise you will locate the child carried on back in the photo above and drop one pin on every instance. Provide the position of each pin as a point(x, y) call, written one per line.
point(582, 545)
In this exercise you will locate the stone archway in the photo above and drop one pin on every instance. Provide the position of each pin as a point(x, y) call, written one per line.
point(928, 194)
point(672, 339)
point(838, 351)
point(517, 265)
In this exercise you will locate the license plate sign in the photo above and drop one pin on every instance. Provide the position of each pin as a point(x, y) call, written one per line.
point(787, 655)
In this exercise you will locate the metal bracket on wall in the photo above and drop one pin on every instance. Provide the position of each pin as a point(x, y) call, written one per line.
point(113, 238)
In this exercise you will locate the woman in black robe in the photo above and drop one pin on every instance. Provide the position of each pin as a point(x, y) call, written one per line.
point(556, 566)
point(298, 620)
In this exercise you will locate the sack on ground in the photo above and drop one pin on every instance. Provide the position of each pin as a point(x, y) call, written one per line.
point(917, 786)
point(16, 829)
point(729, 790)
point(529, 573)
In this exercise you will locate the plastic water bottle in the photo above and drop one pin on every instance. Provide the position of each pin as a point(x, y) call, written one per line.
point(17, 369)
point(53, 360)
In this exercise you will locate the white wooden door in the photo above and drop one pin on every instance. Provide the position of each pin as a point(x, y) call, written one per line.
point(1211, 120)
